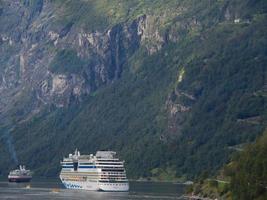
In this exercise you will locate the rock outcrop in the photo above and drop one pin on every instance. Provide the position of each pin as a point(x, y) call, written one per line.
point(30, 42)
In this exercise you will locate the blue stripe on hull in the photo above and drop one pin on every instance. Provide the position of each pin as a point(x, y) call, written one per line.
point(86, 167)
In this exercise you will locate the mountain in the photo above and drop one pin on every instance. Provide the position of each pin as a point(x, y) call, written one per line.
point(173, 86)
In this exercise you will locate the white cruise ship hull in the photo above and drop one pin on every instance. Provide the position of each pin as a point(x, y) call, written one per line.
point(96, 186)
point(79, 185)
point(114, 187)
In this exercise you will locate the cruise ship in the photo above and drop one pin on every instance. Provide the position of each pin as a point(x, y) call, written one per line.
point(20, 175)
point(101, 172)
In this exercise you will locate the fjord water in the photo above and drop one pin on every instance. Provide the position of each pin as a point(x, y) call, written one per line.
point(50, 189)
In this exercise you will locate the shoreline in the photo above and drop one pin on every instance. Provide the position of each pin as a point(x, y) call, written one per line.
point(159, 181)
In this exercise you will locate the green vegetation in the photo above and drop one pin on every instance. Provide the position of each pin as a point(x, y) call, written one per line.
point(66, 61)
point(224, 76)
point(246, 174)
point(223, 65)
point(248, 171)
point(159, 174)
point(211, 188)
point(99, 15)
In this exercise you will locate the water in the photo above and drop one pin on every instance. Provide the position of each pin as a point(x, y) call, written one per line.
point(50, 189)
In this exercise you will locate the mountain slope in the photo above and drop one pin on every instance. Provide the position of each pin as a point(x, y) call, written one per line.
point(171, 86)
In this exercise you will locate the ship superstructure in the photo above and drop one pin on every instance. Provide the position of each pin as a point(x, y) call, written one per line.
point(20, 175)
point(103, 171)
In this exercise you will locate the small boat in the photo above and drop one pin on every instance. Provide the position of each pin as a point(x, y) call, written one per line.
point(20, 175)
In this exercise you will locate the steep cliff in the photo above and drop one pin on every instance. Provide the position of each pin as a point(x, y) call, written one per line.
point(171, 86)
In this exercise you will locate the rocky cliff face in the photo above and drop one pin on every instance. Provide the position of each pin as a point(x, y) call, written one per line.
point(36, 51)
point(30, 42)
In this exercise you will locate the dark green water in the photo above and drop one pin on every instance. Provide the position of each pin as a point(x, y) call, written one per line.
point(49, 189)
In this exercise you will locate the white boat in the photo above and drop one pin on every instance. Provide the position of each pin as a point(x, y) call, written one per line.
point(20, 175)
point(100, 172)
